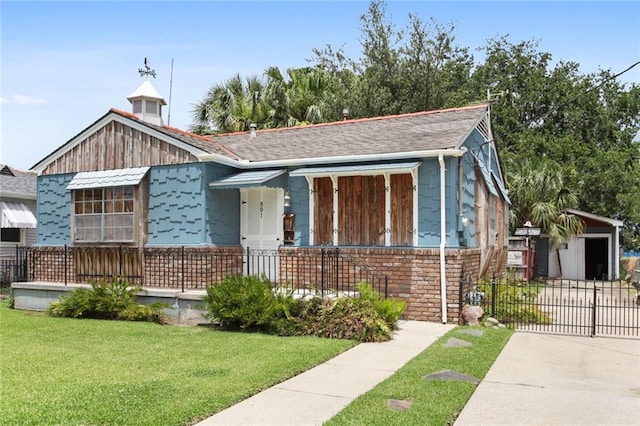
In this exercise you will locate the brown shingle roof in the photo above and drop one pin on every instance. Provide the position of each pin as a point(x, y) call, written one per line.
point(423, 131)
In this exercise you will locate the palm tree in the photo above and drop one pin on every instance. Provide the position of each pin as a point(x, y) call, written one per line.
point(230, 107)
point(540, 194)
point(297, 100)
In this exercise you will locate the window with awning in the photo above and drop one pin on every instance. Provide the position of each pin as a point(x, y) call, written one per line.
point(17, 215)
point(105, 205)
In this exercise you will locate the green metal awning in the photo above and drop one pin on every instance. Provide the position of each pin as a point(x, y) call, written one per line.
point(353, 170)
point(246, 179)
point(108, 178)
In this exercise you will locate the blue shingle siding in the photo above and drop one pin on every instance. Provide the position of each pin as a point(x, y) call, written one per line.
point(451, 203)
point(177, 200)
point(299, 192)
point(184, 211)
point(54, 210)
point(468, 200)
point(429, 203)
point(222, 208)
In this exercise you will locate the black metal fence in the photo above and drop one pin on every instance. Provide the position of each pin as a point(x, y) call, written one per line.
point(318, 270)
point(576, 307)
point(14, 267)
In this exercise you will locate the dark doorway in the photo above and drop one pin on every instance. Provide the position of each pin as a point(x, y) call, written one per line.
point(542, 257)
point(596, 259)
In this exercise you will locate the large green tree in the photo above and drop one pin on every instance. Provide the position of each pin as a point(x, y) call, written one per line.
point(417, 68)
point(231, 106)
point(297, 99)
point(589, 122)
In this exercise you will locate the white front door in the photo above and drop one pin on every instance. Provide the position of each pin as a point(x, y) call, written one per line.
point(261, 228)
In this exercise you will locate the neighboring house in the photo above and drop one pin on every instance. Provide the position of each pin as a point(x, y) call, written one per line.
point(595, 254)
point(17, 209)
point(419, 197)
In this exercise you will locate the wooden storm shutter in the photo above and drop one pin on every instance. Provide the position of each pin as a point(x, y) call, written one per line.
point(373, 228)
point(323, 218)
point(361, 210)
point(401, 210)
point(349, 210)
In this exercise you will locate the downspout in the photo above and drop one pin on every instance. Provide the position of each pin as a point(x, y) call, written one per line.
point(616, 251)
point(443, 240)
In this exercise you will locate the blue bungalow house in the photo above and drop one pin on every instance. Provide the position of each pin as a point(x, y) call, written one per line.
point(419, 198)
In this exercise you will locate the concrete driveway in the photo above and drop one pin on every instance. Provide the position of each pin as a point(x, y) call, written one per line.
point(543, 379)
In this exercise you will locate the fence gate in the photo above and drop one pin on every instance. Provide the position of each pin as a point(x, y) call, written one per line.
point(577, 307)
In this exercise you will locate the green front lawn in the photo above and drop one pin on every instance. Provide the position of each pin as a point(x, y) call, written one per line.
point(60, 371)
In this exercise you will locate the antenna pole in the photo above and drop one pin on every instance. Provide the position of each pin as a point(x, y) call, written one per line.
point(170, 90)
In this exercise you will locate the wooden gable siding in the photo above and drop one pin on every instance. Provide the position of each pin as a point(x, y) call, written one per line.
point(117, 146)
point(402, 210)
point(361, 210)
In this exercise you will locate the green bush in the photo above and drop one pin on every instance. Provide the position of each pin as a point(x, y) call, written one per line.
point(344, 318)
point(115, 299)
point(243, 303)
point(515, 301)
point(390, 310)
point(250, 303)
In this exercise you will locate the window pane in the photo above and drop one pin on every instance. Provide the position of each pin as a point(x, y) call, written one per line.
point(104, 214)
point(88, 228)
point(118, 227)
point(128, 192)
point(137, 107)
point(152, 107)
point(10, 235)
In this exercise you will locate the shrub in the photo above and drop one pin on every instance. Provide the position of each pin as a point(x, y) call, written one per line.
point(514, 300)
point(344, 318)
point(114, 299)
point(250, 303)
point(240, 302)
point(389, 309)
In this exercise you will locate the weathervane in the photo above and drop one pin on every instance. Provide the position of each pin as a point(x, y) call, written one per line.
point(147, 71)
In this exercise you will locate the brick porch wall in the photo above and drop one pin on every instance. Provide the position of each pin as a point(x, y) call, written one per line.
point(414, 276)
point(413, 273)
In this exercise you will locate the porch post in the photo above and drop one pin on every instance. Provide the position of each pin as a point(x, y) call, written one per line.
point(387, 209)
point(311, 209)
point(334, 180)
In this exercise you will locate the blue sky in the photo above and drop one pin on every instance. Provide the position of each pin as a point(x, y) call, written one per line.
point(65, 64)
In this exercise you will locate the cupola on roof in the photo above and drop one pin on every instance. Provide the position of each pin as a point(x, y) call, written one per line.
point(146, 101)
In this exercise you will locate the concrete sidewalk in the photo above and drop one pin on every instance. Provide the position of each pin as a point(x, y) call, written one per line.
point(315, 396)
point(543, 379)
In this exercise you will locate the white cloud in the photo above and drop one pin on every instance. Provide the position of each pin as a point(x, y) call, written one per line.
point(22, 100)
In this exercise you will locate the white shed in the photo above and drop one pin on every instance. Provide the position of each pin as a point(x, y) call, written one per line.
point(595, 254)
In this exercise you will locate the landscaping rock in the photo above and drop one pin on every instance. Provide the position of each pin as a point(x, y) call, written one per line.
point(457, 343)
point(399, 404)
point(472, 332)
point(471, 314)
point(451, 376)
point(492, 321)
